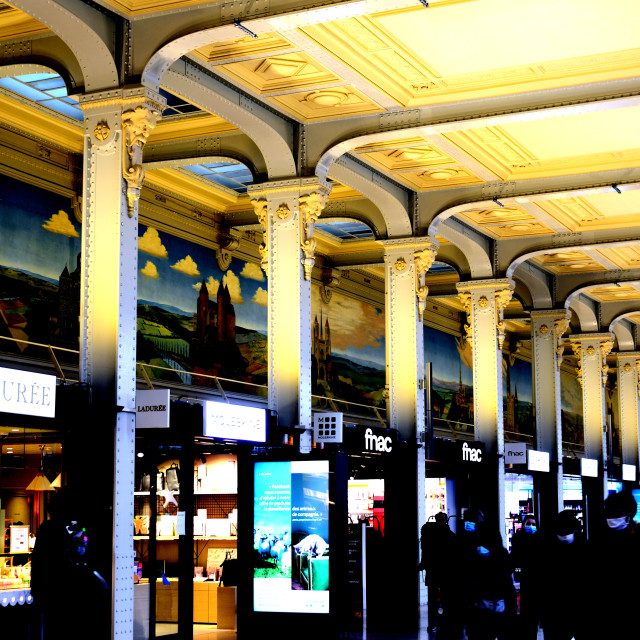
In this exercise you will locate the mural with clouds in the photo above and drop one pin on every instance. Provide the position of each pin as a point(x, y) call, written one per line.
point(195, 319)
point(347, 349)
point(39, 270)
point(571, 406)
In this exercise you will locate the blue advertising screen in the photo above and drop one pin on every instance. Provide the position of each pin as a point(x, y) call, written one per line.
point(291, 536)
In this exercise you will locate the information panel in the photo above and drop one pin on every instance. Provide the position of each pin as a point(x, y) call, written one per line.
point(291, 536)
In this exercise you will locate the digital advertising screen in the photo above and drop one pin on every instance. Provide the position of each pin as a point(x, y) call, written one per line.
point(291, 536)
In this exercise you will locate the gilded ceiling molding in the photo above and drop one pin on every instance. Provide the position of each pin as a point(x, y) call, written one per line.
point(311, 206)
point(136, 125)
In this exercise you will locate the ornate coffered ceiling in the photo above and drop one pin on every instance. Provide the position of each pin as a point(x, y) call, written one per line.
point(507, 130)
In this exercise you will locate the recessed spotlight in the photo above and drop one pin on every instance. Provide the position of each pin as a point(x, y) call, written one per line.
point(140, 454)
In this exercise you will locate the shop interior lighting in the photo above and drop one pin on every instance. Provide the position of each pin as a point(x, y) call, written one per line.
point(39, 483)
point(57, 483)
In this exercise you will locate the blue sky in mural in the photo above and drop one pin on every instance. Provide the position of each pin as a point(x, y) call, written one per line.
point(521, 379)
point(171, 271)
point(39, 234)
point(441, 350)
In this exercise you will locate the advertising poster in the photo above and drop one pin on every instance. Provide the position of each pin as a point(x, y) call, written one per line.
point(291, 536)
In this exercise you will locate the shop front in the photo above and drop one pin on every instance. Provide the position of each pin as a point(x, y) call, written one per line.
point(186, 514)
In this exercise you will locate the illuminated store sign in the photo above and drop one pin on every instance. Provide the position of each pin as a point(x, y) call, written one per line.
point(234, 422)
point(589, 467)
point(26, 393)
point(472, 451)
point(379, 444)
point(538, 460)
point(629, 472)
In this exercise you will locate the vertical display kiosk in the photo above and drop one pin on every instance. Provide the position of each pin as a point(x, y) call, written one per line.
point(298, 521)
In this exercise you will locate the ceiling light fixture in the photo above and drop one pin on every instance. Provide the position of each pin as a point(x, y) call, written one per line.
point(236, 23)
point(39, 483)
point(615, 188)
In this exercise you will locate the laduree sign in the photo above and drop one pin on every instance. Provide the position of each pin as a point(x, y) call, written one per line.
point(152, 409)
point(27, 393)
point(234, 422)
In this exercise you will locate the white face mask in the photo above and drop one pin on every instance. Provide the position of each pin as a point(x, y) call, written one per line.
point(567, 539)
point(618, 523)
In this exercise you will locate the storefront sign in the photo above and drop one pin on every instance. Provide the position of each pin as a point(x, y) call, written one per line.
point(629, 472)
point(26, 393)
point(515, 453)
point(369, 439)
point(538, 460)
point(234, 422)
point(589, 467)
point(379, 444)
point(152, 409)
point(472, 451)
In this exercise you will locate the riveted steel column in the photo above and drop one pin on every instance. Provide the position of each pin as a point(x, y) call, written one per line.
point(406, 262)
point(591, 350)
point(484, 302)
point(547, 328)
point(628, 367)
point(116, 125)
point(287, 210)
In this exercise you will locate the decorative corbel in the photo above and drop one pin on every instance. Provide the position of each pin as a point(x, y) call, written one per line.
point(223, 253)
point(465, 298)
point(577, 352)
point(638, 374)
point(136, 125)
point(260, 208)
point(503, 296)
point(330, 280)
point(561, 325)
point(605, 350)
point(423, 260)
point(311, 206)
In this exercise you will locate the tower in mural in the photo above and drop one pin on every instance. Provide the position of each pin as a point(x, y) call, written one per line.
point(67, 330)
point(511, 407)
point(213, 350)
point(321, 352)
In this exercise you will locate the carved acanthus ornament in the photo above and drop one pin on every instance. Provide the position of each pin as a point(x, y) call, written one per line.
point(638, 373)
point(561, 326)
point(465, 298)
point(577, 352)
point(605, 350)
point(311, 207)
point(503, 296)
point(136, 125)
point(260, 208)
point(423, 261)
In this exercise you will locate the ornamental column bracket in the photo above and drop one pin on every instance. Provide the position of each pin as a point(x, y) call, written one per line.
point(313, 196)
point(605, 342)
point(503, 291)
point(424, 255)
point(311, 206)
point(560, 320)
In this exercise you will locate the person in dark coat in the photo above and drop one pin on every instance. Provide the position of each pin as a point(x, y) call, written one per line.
point(488, 593)
point(437, 547)
point(526, 557)
point(566, 580)
point(614, 557)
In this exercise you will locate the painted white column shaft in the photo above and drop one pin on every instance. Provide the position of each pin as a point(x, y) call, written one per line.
point(108, 315)
point(628, 363)
point(484, 302)
point(280, 206)
point(547, 328)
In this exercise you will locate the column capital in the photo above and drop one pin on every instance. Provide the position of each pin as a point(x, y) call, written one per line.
point(420, 243)
point(586, 344)
point(289, 187)
point(541, 322)
point(626, 355)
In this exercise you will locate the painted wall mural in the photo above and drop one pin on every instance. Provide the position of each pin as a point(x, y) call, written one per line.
point(517, 387)
point(452, 378)
point(347, 349)
point(195, 319)
point(571, 407)
point(39, 270)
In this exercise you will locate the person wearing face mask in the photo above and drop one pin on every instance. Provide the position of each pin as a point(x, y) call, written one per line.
point(615, 554)
point(488, 594)
point(566, 581)
point(526, 556)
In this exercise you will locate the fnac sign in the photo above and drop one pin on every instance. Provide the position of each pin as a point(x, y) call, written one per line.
point(472, 452)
